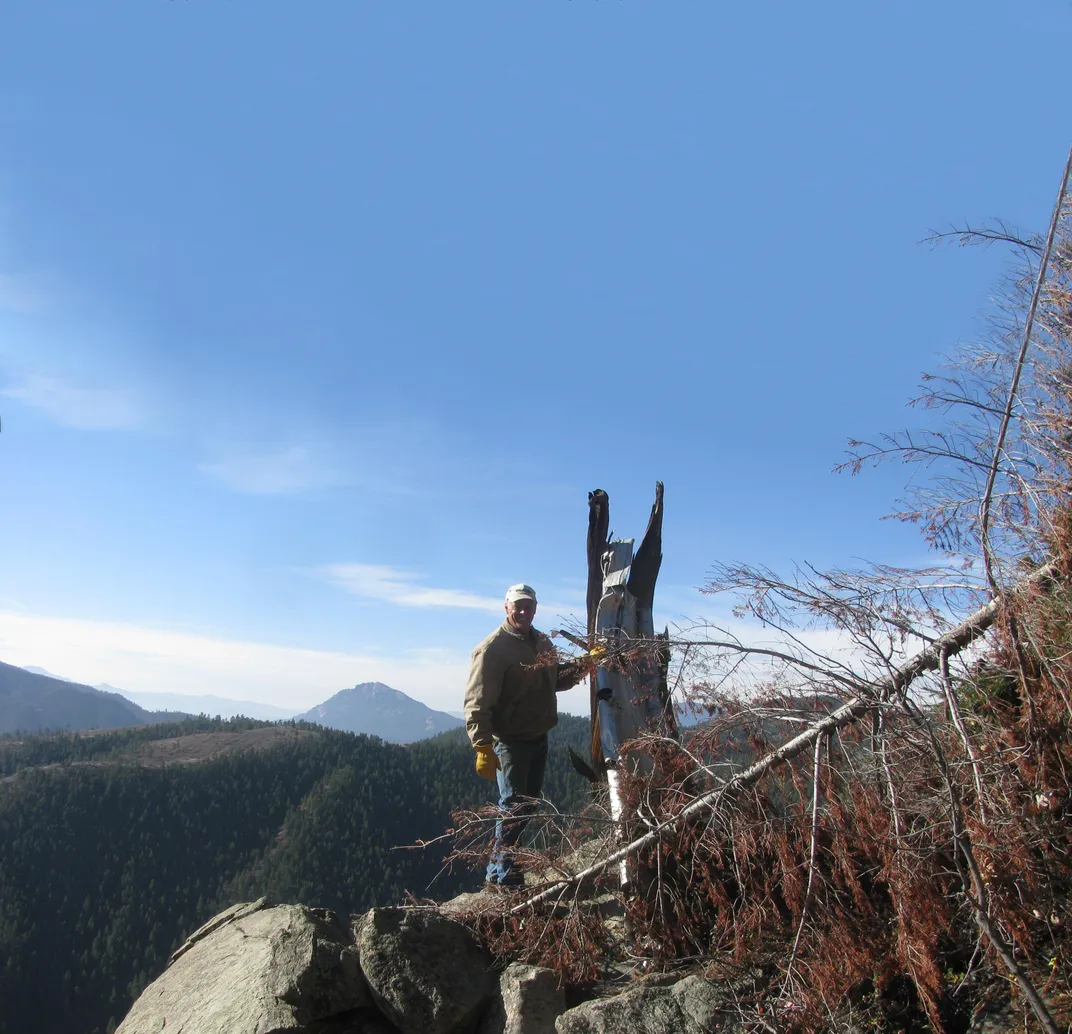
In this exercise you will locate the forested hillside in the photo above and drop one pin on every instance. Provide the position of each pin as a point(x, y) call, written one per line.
point(109, 857)
point(31, 702)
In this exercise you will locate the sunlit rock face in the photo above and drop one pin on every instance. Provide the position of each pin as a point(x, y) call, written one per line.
point(257, 969)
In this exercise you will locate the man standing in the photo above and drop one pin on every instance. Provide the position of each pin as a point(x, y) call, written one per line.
point(509, 707)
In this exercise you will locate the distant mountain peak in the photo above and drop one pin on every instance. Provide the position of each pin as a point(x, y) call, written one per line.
point(375, 687)
point(380, 710)
point(33, 669)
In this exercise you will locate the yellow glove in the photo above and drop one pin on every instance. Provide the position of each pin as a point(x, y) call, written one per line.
point(487, 763)
point(597, 653)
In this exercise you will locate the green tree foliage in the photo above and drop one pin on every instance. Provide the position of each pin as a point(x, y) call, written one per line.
point(106, 865)
point(18, 752)
point(351, 844)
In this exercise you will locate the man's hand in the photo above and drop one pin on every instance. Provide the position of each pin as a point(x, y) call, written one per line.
point(487, 763)
point(597, 653)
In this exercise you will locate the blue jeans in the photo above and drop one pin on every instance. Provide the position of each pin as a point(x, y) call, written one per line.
point(521, 767)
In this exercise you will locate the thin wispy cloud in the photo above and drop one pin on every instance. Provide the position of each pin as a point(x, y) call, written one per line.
point(281, 472)
point(405, 589)
point(136, 658)
point(78, 406)
point(402, 588)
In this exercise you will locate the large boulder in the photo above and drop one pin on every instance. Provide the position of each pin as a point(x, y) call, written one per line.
point(255, 969)
point(426, 972)
point(691, 1006)
point(529, 1001)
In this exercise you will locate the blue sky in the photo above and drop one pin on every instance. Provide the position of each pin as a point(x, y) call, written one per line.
point(319, 321)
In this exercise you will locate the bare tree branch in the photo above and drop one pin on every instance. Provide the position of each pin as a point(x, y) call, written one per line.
point(984, 237)
point(1029, 324)
point(871, 697)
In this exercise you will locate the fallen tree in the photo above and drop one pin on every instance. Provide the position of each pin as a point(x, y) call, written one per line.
point(909, 841)
point(869, 698)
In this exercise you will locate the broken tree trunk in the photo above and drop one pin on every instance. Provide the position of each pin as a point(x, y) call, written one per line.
point(629, 690)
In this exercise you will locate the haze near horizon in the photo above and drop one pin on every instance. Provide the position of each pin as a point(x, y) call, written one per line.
point(317, 324)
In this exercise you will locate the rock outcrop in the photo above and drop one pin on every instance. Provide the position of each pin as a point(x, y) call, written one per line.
point(691, 1006)
point(261, 969)
point(256, 969)
point(529, 1001)
point(426, 972)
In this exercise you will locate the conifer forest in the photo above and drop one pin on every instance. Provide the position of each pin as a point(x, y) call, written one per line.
point(108, 862)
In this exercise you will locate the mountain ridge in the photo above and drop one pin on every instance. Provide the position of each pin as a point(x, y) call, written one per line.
point(33, 699)
point(208, 704)
point(32, 702)
point(377, 709)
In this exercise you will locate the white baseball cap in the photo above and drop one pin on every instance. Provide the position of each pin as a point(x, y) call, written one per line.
point(520, 592)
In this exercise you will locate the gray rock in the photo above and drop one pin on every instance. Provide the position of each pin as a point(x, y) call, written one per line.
point(529, 1001)
point(364, 1021)
point(426, 972)
point(254, 970)
point(691, 1006)
point(483, 900)
point(228, 915)
point(701, 1001)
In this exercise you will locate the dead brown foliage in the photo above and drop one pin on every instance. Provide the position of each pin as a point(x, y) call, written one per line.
point(916, 861)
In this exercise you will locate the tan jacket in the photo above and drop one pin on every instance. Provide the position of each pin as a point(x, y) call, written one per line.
point(511, 694)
